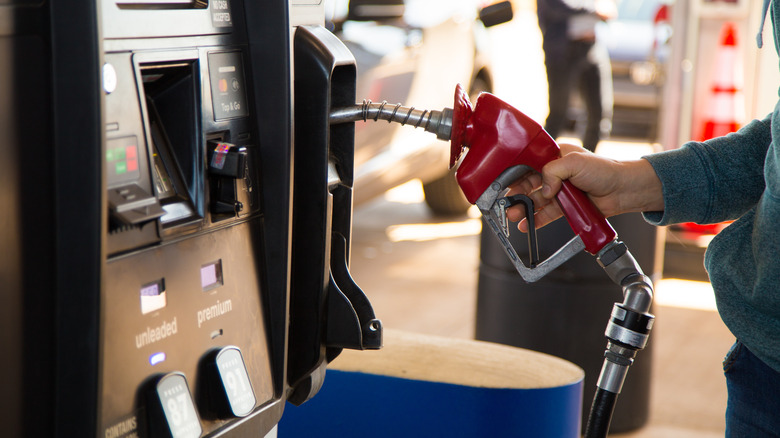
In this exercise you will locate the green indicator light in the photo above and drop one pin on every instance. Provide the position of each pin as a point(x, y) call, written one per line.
point(119, 153)
point(110, 155)
point(121, 167)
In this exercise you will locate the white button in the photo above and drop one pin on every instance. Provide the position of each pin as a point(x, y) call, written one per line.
point(109, 78)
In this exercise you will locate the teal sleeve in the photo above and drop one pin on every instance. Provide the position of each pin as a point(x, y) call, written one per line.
point(712, 181)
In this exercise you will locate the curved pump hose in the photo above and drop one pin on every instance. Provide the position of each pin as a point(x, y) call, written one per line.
point(600, 414)
point(436, 122)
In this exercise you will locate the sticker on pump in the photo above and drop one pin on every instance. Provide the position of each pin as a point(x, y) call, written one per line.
point(220, 153)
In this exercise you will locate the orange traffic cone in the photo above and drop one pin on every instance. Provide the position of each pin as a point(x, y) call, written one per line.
point(725, 108)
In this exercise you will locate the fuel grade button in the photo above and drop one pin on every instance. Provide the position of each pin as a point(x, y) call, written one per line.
point(227, 390)
point(171, 409)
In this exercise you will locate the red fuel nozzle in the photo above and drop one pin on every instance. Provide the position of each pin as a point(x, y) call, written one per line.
point(498, 136)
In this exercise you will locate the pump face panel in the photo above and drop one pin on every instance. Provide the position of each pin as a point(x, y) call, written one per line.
point(147, 197)
point(183, 337)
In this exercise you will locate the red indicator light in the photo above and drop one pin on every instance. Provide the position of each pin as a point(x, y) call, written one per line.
point(131, 152)
point(223, 86)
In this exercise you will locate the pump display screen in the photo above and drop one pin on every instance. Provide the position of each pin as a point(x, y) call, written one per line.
point(153, 296)
point(211, 275)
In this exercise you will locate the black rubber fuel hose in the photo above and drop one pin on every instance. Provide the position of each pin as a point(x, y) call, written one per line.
point(600, 414)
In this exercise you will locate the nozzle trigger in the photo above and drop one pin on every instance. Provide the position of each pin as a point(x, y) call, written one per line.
point(493, 204)
point(528, 203)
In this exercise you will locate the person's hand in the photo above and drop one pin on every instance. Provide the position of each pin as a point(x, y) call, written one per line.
point(615, 187)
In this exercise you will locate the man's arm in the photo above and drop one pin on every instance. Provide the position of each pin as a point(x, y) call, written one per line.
point(700, 182)
point(715, 180)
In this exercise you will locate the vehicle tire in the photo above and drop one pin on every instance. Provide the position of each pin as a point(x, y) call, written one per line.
point(443, 195)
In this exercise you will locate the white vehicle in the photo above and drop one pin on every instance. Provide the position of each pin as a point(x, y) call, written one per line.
point(412, 52)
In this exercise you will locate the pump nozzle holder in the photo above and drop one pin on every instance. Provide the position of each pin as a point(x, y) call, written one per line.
point(499, 136)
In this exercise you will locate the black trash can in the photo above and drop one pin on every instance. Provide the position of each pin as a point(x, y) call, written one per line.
point(566, 312)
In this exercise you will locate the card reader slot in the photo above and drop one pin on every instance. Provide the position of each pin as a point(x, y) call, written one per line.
point(172, 99)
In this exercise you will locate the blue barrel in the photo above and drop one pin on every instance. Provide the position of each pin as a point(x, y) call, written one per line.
point(433, 386)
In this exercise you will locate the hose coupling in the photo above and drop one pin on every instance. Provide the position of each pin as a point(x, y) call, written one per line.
point(629, 328)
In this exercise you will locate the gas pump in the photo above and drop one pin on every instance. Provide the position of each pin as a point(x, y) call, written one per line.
point(157, 281)
point(176, 197)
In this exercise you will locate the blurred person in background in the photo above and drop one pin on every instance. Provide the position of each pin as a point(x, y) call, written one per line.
point(574, 59)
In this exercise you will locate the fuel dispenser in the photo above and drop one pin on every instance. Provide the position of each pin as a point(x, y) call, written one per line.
point(163, 272)
point(176, 197)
